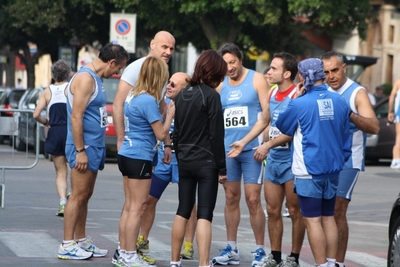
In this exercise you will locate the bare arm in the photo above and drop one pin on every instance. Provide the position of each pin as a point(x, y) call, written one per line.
point(263, 150)
point(161, 130)
point(42, 104)
point(118, 110)
point(366, 119)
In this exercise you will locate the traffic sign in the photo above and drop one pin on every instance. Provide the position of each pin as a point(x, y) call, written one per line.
point(123, 27)
point(123, 30)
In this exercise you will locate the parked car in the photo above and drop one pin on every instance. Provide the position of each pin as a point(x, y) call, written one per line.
point(393, 255)
point(111, 86)
point(27, 124)
point(9, 99)
point(379, 146)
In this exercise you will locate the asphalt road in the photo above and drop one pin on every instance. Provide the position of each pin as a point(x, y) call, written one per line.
point(30, 233)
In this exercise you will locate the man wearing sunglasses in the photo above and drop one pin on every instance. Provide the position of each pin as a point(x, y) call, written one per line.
point(165, 172)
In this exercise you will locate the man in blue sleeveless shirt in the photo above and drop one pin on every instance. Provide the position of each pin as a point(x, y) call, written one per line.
point(244, 98)
point(362, 121)
point(87, 119)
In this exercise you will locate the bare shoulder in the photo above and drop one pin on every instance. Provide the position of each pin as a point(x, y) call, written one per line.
point(219, 87)
point(259, 82)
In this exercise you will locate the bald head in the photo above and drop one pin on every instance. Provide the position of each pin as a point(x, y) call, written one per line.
point(176, 83)
point(162, 45)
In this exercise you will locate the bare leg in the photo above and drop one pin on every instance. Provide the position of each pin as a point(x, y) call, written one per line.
point(191, 225)
point(60, 164)
point(76, 208)
point(148, 217)
point(177, 235)
point(342, 226)
point(124, 214)
point(203, 238)
point(257, 216)
point(331, 234)
point(232, 209)
point(139, 191)
point(274, 195)
point(317, 239)
point(298, 226)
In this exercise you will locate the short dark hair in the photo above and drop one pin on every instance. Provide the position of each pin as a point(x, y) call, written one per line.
point(60, 71)
point(232, 49)
point(210, 68)
point(113, 51)
point(289, 63)
point(330, 54)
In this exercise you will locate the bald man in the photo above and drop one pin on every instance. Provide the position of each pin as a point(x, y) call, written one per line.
point(161, 46)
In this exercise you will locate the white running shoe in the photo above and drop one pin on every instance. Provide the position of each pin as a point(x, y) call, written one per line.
point(228, 256)
point(88, 246)
point(73, 252)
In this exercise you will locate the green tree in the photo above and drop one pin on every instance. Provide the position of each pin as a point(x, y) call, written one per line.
point(50, 24)
point(268, 24)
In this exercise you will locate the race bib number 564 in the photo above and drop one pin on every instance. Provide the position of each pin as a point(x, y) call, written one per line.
point(236, 117)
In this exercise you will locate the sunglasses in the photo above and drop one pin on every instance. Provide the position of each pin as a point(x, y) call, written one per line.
point(172, 83)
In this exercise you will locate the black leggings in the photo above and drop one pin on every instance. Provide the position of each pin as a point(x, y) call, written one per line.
point(207, 182)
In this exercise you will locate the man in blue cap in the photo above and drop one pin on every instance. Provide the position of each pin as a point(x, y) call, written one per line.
point(314, 117)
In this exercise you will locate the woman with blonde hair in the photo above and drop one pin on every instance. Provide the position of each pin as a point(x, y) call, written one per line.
point(143, 126)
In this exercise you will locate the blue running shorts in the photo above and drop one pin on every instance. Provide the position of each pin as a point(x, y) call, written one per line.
point(278, 172)
point(347, 181)
point(96, 157)
point(245, 165)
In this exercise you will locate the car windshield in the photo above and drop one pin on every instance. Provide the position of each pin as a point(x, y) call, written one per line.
point(111, 86)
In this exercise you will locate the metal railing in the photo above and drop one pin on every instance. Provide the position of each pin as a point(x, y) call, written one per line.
point(17, 160)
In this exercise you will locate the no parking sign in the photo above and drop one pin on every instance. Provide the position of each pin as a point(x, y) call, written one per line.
point(123, 30)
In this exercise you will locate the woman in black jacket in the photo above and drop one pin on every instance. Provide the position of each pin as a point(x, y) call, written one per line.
point(199, 144)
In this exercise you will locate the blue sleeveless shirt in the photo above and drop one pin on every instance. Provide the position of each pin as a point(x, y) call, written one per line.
point(95, 116)
point(242, 109)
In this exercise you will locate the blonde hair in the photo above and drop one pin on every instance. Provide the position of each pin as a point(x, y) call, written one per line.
point(152, 78)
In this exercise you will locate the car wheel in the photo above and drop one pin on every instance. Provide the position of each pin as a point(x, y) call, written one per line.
point(393, 259)
point(1, 139)
point(19, 144)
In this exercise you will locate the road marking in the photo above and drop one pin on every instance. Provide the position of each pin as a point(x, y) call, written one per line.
point(365, 259)
point(30, 245)
point(42, 245)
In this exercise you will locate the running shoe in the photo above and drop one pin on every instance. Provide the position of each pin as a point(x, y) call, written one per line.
point(115, 257)
point(228, 256)
point(60, 211)
point(259, 255)
point(73, 252)
point(395, 165)
point(133, 261)
point(187, 251)
point(286, 213)
point(88, 246)
point(289, 262)
point(146, 258)
point(269, 261)
point(142, 245)
point(175, 265)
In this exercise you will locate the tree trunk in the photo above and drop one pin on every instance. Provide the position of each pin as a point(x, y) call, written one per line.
point(214, 37)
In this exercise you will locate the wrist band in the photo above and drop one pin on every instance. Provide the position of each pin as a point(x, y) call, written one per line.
point(80, 150)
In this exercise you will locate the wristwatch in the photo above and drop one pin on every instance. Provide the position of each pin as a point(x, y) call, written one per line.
point(80, 150)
